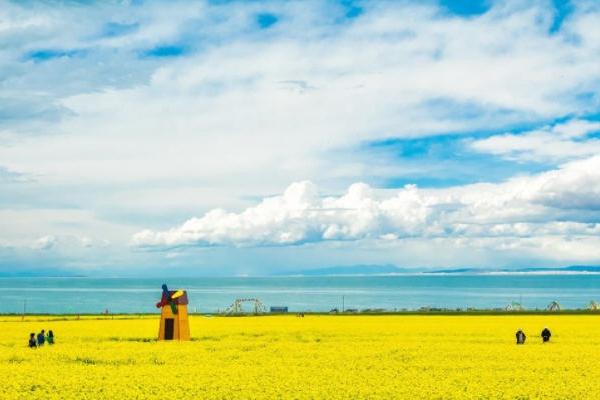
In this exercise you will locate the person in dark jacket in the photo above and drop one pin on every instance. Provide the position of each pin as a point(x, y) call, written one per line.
point(32, 342)
point(41, 338)
point(50, 337)
point(546, 335)
point(520, 336)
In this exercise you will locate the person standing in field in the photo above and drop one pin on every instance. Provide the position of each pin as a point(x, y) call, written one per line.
point(41, 338)
point(546, 335)
point(32, 342)
point(520, 336)
point(50, 337)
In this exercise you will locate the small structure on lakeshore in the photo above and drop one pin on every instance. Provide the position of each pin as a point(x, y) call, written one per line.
point(236, 307)
point(174, 323)
point(515, 306)
point(554, 306)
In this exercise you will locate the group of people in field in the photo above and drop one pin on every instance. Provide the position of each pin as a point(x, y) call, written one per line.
point(41, 338)
point(545, 335)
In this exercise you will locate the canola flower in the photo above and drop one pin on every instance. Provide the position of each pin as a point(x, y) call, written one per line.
point(316, 357)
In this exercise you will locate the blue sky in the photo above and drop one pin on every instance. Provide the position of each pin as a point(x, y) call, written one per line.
point(226, 137)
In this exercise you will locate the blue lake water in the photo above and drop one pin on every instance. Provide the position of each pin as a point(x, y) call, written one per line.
point(128, 295)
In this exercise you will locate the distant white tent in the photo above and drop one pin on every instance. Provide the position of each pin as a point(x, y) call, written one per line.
point(514, 306)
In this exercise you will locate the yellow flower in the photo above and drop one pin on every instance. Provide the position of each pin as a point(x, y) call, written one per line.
point(316, 357)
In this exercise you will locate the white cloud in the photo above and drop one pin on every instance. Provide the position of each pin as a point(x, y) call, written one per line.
point(576, 128)
point(207, 112)
point(208, 117)
point(551, 203)
point(69, 242)
point(45, 243)
point(551, 143)
point(113, 137)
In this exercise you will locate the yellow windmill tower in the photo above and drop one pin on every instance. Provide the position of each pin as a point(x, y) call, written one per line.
point(174, 322)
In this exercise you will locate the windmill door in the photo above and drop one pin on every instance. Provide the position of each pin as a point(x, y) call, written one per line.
point(169, 326)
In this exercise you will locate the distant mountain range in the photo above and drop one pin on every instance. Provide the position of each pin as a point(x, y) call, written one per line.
point(351, 270)
point(541, 270)
point(347, 270)
point(37, 273)
point(394, 270)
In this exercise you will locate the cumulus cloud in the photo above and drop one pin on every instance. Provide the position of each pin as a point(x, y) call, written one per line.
point(45, 243)
point(550, 203)
point(559, 142)
point(62, 242)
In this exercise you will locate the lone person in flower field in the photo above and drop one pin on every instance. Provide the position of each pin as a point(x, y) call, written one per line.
point(546, 335)
point(41, 338)
point(520, 336)
point(32, 343)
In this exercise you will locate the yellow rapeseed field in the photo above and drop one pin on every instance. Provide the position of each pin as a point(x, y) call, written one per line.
point(316, 357)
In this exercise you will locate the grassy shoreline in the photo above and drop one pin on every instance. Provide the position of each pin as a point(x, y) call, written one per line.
point(70, 316)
